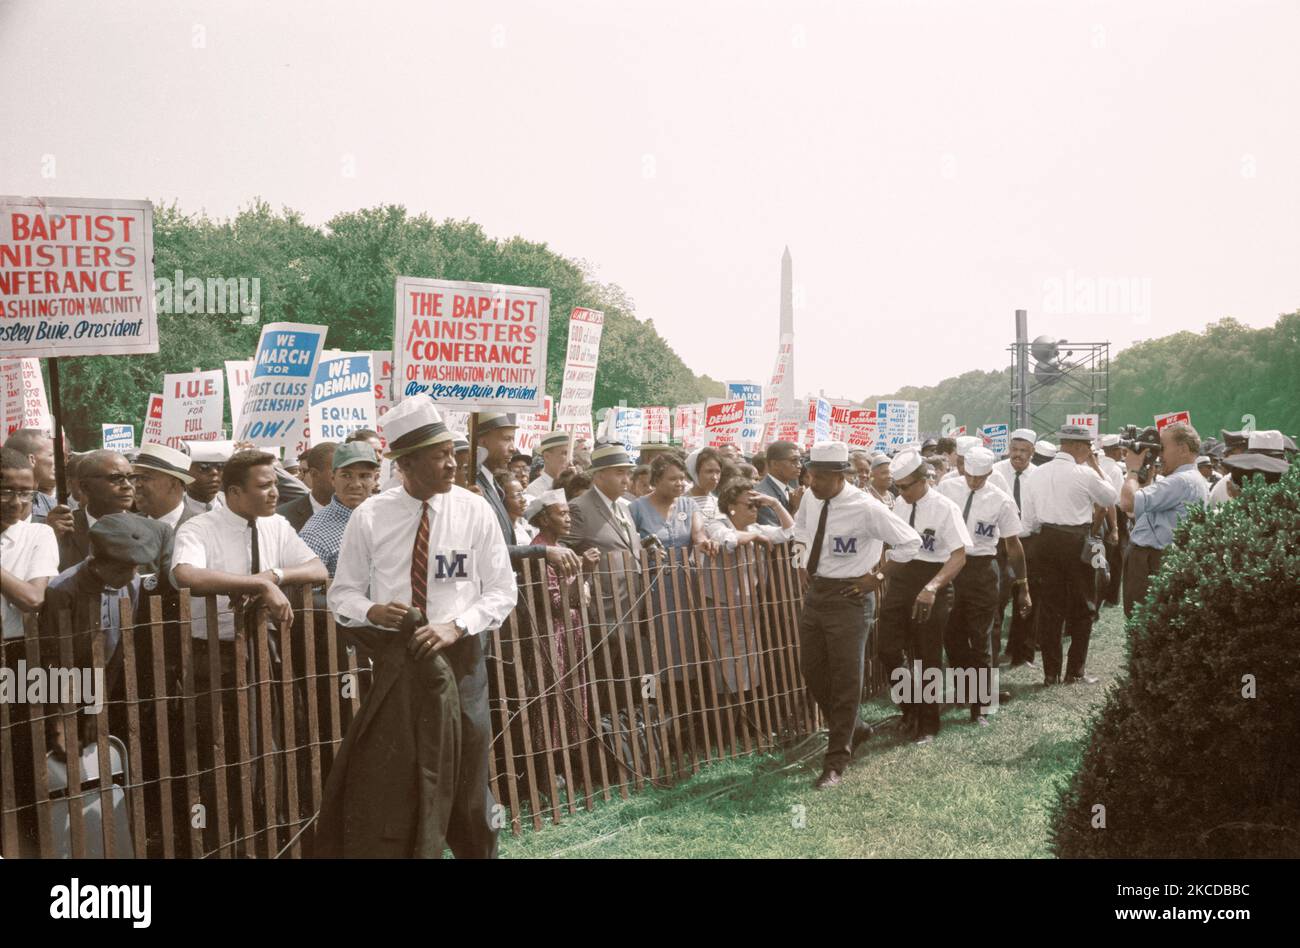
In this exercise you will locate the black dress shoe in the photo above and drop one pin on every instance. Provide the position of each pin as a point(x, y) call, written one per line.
point(830, 778)
point(1084, 679)
point(1004, 697)
point(1051, 680)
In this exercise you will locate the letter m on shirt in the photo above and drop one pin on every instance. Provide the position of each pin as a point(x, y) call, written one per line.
point(450, 565)
point(846, 545)
point(983, 529)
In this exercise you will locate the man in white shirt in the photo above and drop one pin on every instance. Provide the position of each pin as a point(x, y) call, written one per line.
point(1016, 469)
point(919, 596)
point(990, 517)
point(1059, 508)
point(842, 531)
point(29, 558)
point(965, 444)
point(241, 554)
point(556, 452)
point(423, 569)
point(161, 475)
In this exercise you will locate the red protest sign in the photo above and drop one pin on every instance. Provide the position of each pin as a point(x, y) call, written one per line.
point(1172, 418)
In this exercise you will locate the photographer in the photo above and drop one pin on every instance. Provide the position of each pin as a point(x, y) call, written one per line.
point(1157, 507)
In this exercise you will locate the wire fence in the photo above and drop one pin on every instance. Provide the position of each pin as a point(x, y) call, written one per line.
point(638, 673)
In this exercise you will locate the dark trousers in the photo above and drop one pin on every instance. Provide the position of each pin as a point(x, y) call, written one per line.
point(1115, 559)
point(1022, 638)
point(832, 641)
point(968, 637)
point(1067, 583)
point(904, 641)
point(1140, 565)
point(474, 815)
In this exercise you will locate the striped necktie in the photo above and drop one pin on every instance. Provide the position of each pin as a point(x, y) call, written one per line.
point(420, 562)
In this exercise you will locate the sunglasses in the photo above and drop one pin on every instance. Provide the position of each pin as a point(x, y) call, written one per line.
point(207, 467)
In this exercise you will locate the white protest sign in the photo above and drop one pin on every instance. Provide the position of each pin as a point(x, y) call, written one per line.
point(118, 437)
point(578, 388)
point(239, 372)
point(655, 429)
point(342, 397)
point(995, 438)
point(25, 404)
point(819, 416)
point(153, 415)
point(533, 427)
point(76, 277)
point(274, 411)
point(751, 428)
point(780, 393)
point(1172, 418)
point(471, 346)
point(723, 418)
point(192, 406)
point(898, 424)
point(627, 426)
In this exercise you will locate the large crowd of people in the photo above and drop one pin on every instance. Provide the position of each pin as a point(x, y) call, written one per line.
point(421, 553)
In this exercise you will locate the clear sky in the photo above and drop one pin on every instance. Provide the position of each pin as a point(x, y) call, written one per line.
point(1121, 170)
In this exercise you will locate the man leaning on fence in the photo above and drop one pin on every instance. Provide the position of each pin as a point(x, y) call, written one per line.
point(241, 553)
point(841, 528)
point(423, 572)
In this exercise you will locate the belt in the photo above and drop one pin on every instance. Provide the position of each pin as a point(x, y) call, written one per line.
point(981, 557)
point(1077, 529)
point(830, 581)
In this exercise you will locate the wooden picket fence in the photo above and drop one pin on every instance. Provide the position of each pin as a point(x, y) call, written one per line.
point(642, 675)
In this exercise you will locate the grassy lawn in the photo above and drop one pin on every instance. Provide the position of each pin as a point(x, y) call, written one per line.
point(974, 792)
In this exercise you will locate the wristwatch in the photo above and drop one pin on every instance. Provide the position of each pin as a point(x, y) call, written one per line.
point(278, 574)
point(880, 575)
point(464, 629)
point(931, 588)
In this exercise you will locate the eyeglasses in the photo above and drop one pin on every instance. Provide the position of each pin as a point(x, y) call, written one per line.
point(207, 467)
point(22, 496)
point(117, 480)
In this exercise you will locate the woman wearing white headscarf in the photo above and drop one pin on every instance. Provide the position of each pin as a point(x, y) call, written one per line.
point(704, 468)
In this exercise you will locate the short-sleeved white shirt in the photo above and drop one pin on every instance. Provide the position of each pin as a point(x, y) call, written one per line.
point(29, 551)
point(223, 540)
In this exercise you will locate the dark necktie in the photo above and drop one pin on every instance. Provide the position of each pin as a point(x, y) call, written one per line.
point(965, 514)
point(1015, 490)
point(911, 520)
point(257, 553)
point(815, 556)
point(420, 561)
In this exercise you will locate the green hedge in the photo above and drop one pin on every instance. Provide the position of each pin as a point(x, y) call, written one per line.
point(1184, 764)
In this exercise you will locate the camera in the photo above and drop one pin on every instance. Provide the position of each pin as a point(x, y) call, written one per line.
point(1142, 439)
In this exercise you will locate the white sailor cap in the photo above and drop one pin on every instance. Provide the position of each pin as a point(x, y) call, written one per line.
point(210, 452)
point(1110, 441)
point(1024, 434)
point(542, 501)
point(1045, 448)
point(979, 461)
point(905, 464)
point(1203, 459)
point(966, 442)
point(829, 455)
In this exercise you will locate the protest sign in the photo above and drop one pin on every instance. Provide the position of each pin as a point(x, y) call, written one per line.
point(655, 429)
point(856, 427)
point(76, 277)
point(471, 346)
point(1091, 422)
point(152, 433)
point(788, 427)
point(381, 364)
point(580, 358)
point(274, 410)
point(342, 397)
point(780, 393)
point(723, 418)
point(995, 438)
point(751, 427)
point(533, 427)
point(819, 416)
point(192, 406)
point(898, 423)
point(958, 432)
point(1172, 418)
point(239, 372)
point(626, 428)
point(25, 404)
point(118, 437)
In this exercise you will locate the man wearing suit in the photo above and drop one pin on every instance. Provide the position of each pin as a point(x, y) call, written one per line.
point(496, 436)
point(161, 475)
point(781, 480)
point(320, 461)
point(105, 478)
point(602, 521)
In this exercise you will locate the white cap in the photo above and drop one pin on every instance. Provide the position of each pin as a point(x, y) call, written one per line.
point(1110, 441)
point(210, 452)
point(829, 454)
point(159, 457)
point(966, 442)
point(1024, 434)
point(1045, 448)
point(979, 461)
point(905, 464)
point(544, 500)
point(879, 459)
point(1270, 440)
point(1202, 459)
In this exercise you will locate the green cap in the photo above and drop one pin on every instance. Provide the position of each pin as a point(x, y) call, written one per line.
point(355, 452)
